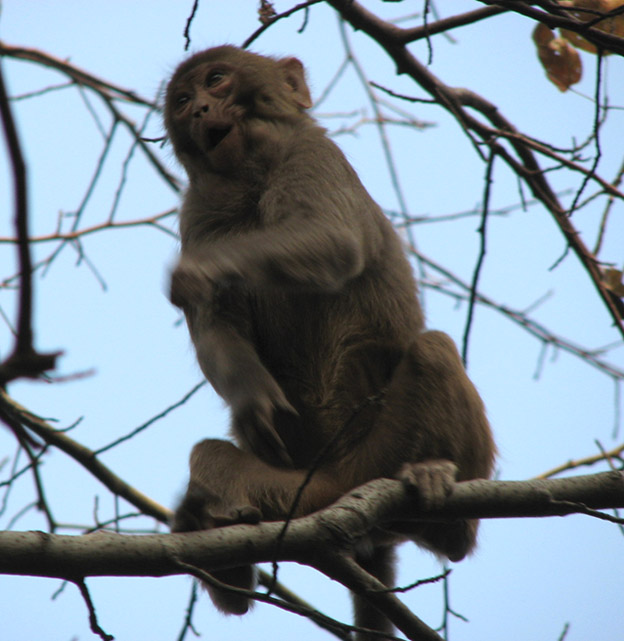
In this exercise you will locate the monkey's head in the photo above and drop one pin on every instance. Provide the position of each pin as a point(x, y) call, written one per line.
point(222, 101)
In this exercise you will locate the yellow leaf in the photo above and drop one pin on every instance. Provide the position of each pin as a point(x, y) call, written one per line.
point(613, 281)
point(559, 58)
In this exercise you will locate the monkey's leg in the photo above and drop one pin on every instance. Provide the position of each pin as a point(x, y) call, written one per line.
point(378, 561)
point(432, 428)
point(202, 510)
point(233, 480)
point(228, 485)
point(431, 482)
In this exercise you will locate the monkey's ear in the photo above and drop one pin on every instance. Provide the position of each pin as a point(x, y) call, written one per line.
point(294, 74)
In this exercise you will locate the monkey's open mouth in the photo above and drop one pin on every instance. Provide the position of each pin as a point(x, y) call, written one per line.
point(217, 134)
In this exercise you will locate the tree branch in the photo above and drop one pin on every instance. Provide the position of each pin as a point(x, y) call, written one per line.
point(601, 39)
point(307, 539)
point(13, 413)
point(454, 100)
point(24, 360)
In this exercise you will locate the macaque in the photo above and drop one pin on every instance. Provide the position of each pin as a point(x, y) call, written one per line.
point(303, 312)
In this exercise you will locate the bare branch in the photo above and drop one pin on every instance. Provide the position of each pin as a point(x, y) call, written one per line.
point(453, 100)
point(24, 360)
point(307, 539)
point(11, 410)
point(556, 15)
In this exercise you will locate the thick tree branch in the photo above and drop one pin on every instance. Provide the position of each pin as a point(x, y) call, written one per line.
point(307, 539)
point(343, 568)
point(323, 540)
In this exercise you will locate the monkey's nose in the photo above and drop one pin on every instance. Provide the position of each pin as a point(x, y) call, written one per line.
point(202, 110)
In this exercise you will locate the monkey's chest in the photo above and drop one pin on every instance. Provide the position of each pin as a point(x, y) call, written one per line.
point(290, 333)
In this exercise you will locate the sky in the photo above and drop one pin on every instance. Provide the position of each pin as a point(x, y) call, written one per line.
point(106, 309)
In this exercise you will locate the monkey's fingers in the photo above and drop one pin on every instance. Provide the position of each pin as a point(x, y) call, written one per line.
point(272, 399)
point(272, 442)
point(239, 514)
point(285, 406)
point(263, 438)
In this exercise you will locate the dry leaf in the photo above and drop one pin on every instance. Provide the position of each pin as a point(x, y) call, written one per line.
point(613, 281)
point(559, 58)
point(266, 12)
point(613, 26)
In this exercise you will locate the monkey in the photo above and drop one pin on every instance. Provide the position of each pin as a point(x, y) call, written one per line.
point(304, 314)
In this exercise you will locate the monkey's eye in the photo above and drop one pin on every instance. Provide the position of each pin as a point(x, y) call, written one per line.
point(214, 77)
point(181, 100)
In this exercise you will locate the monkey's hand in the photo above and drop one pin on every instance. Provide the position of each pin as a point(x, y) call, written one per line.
point(254, 416)
point(190, 284)
point(432, 481)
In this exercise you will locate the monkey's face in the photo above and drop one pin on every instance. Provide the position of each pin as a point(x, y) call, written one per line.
point(224, 105)
point(202, 115)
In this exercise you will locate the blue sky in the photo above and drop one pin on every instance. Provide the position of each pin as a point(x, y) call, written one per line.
point(529, 577)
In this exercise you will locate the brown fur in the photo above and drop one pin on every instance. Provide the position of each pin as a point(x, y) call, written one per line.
point(303, 311)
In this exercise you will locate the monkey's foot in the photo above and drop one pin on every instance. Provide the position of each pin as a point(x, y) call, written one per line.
point(432, 481)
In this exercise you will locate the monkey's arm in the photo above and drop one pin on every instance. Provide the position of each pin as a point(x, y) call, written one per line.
point(232, 365)
point(294, 256)
point(317, 229)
